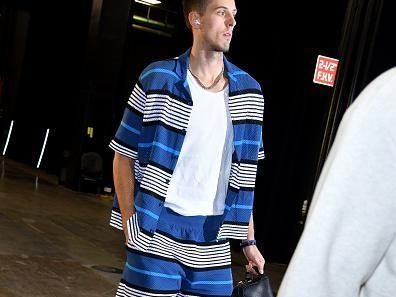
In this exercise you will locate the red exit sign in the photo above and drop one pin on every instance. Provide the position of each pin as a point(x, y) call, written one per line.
point(325, 71)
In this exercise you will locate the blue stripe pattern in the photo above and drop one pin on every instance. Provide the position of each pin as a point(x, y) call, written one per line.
point(239, 206)
point(248, 142)
point(129, 128)
point(151, 273)
point(160, 71)
point(147, 212)
point(160, 145)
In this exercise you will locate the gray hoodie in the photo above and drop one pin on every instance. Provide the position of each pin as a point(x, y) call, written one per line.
point(348, 247)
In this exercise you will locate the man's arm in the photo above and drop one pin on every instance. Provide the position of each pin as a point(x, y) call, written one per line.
point(252, 254)
point(123, 174)
point(251, 229)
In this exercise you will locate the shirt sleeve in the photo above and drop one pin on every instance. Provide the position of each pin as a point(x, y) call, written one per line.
point(261, 155)
point(126, 139)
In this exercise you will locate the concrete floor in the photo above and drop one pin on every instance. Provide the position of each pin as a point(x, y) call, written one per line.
point(57, 242)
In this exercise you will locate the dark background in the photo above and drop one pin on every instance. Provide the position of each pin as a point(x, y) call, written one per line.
point(71, 65)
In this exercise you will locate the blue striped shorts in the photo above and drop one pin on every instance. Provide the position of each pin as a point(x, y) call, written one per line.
point(183, 258)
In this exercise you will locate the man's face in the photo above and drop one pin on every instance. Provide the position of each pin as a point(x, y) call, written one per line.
point(217, 24)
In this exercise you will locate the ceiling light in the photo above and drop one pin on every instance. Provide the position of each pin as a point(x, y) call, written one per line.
point(148, 2)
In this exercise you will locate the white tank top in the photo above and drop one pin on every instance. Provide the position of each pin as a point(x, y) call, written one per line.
point(200, 180)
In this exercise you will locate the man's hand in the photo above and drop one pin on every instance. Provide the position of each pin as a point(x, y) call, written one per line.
point(255, 259)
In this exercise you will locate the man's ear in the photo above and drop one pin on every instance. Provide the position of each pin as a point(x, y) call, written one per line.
point(194, 19)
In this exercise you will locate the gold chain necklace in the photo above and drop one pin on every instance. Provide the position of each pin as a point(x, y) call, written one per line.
point(215, 82)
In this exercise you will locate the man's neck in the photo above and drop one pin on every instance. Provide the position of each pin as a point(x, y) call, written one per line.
point(206, 66)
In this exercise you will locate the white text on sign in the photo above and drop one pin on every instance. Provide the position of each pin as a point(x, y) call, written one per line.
point(325, 71)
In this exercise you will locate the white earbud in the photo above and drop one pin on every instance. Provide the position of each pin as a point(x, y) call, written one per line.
point(197, 22)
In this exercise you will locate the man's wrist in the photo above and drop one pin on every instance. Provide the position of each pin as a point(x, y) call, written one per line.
point(247, 242)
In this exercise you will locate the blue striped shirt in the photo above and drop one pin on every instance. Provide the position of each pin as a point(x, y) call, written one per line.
point(152, 132)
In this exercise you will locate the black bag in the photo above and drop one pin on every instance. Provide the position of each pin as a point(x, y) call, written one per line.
point(257, 287)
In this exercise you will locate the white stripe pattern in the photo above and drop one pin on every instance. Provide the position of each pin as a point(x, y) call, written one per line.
point(156, 180)
point(243, 175)
point(188, 254)
point(246, 107)
point(123, 150)
point(233, 231)
point(247, 175)
point(137, 99)
point(139, 171)
point(133, 228)
point(141, 241)
point(170, 111)
point(261, 155)
point(116, 220)
point(137, 240)
point(191, 255)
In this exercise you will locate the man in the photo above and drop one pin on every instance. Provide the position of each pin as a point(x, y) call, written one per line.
point(192, 133)
point(348, 248)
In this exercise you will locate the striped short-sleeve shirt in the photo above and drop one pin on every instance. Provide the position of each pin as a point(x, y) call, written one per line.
point(152, 132)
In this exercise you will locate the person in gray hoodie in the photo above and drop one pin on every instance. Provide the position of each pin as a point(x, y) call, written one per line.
point(348, 247)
